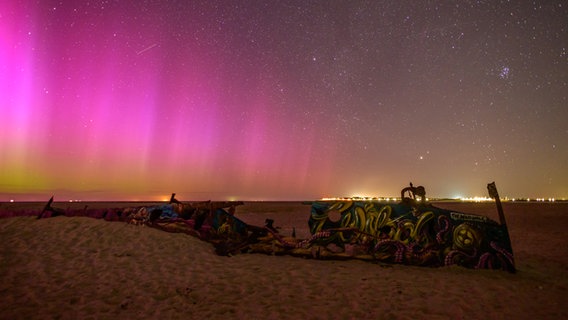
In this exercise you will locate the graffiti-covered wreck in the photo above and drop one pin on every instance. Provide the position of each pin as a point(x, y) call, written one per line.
point(411, 231)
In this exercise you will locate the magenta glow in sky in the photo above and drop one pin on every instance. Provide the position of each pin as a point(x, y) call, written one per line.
point(262, 100)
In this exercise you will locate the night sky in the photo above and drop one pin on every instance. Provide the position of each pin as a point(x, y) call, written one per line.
point(282, 100)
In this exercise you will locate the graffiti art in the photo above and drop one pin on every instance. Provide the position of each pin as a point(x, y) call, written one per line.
point(411, 231)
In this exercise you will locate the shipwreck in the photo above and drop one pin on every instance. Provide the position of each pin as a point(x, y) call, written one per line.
point(411, 232)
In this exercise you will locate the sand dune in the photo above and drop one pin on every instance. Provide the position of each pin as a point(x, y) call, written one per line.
point(82, 268)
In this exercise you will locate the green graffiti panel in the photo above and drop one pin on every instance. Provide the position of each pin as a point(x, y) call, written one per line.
point(412, 234)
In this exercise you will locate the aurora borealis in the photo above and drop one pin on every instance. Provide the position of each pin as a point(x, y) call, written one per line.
point(282, 100)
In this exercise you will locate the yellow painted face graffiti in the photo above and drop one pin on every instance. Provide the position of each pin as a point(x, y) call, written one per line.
point(466, 237)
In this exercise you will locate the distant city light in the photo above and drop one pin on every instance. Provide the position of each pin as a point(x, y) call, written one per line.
point(358, 198)
point(476, 199)
point(462, 199)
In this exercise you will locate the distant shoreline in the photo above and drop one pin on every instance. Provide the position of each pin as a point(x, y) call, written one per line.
point(271, 201)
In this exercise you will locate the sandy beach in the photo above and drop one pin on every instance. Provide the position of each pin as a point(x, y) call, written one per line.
point(83, 268)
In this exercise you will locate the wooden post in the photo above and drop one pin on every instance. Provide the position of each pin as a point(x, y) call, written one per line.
point(492, 188)
point(47, 207)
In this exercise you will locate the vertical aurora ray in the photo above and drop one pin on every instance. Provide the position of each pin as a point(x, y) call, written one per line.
point(22, 120)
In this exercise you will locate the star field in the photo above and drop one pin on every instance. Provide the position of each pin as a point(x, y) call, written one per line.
point(282, 100)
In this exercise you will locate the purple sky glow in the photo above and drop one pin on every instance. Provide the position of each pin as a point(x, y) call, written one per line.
point(282, 100)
